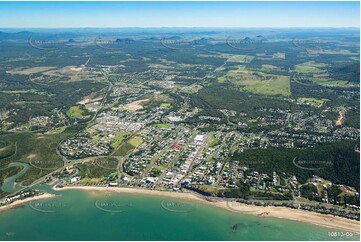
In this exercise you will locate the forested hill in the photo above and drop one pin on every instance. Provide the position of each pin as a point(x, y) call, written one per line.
point(350, 73)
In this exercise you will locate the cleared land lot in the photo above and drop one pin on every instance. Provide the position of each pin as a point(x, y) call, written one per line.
point(258, 82)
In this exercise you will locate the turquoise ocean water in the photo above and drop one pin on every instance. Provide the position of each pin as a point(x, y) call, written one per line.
point(94, 215)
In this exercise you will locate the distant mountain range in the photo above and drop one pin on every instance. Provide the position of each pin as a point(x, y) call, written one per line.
point(18, 35)
point(25, 35)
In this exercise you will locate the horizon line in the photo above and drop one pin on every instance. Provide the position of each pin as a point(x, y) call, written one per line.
point(201, 27)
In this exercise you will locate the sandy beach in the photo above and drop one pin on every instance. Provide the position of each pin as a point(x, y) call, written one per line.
point(22, 202)
point(325, 220)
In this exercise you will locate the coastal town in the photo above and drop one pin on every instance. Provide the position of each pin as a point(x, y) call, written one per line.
point(272, 133)
point(155, 147)
point(162, 143)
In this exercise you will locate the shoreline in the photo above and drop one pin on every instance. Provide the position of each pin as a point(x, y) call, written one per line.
point(19, 203)
point(324, 220)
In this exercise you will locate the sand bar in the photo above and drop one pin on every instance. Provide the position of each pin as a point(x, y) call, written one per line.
point(18, 203)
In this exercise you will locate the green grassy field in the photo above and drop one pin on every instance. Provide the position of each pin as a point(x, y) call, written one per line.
point(118, 139)
point(126, 147)
point(240, 58)
point(31, 91)
point(331, 82)
point(135, 141)
point(27, 71)
point(163, 126)
point(268, 68)
point(165, 105)
point(57, 130)
point(123, 149)
point(212, 141)
point(276, 85)
point(279, 55)
point(258, 82)
point(156, 100)
point(318, 74)
point(311, 68)
point(75, 112)
point(313, 101)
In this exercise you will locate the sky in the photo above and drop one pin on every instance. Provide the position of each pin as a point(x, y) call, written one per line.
point(178, 14)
